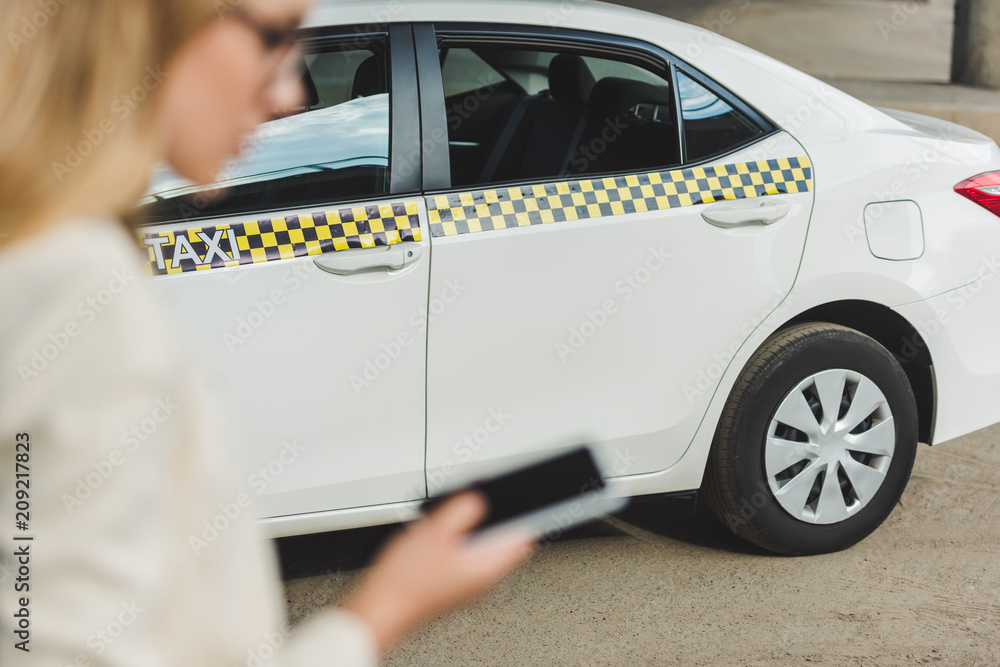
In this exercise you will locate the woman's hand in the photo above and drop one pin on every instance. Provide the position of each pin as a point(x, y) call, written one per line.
point(428, 568)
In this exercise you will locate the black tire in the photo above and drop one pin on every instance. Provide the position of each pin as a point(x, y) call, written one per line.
point(737, 486)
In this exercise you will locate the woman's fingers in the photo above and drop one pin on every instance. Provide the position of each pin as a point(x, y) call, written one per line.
point(458, 515)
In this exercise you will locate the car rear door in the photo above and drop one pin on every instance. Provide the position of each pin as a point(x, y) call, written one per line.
point(302, 278)
point(603, 303)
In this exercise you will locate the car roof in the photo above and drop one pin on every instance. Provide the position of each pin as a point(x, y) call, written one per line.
point(580, 14)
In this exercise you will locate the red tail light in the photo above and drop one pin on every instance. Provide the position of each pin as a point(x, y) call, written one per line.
point(983, 189)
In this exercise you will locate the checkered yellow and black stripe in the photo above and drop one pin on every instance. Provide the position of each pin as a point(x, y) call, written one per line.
point(274, 239)
point(522, 206)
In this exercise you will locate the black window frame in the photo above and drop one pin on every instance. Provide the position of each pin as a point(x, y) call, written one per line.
point(404, 123)
point(768, 127)
point(437, 172)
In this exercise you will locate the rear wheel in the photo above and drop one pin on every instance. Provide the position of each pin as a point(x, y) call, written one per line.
point(816, 443)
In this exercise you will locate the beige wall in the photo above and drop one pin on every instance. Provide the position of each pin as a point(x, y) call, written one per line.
point(883, 40)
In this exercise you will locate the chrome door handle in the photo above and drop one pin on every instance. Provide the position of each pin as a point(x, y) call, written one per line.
point(394, 257)
point(728, 215)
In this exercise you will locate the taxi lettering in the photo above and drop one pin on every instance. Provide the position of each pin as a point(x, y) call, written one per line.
point(182, 248)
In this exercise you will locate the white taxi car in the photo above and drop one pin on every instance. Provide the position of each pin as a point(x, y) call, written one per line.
point(498, 229)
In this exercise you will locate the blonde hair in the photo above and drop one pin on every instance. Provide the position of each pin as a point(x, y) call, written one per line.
point(79, 82)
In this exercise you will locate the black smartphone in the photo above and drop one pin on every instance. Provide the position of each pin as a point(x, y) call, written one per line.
point(553, 494)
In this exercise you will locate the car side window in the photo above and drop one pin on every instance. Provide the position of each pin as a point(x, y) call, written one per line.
point(334, 148)
point(465, 71)
point(554, 113)
point(711, 125)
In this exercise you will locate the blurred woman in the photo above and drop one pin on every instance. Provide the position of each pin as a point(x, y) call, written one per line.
point(92, 94)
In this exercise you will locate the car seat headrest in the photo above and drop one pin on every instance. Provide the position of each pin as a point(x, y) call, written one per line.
point(570, 80)
point(368, 79)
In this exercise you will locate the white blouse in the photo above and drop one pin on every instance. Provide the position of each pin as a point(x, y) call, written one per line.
point(128, 456)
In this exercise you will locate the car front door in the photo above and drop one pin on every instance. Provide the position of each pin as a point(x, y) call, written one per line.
point(603, 302)
point(301, 280)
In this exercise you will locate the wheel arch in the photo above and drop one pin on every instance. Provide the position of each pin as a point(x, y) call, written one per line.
point(898, 336)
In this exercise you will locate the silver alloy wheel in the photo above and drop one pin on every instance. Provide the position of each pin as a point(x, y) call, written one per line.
point(829, 446)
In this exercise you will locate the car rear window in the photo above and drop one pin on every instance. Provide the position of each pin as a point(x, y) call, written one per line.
point(711, 125)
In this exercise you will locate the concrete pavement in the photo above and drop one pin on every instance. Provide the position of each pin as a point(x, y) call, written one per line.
point(654, 586)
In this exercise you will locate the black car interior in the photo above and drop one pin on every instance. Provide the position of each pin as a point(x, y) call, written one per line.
point(577, 125)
